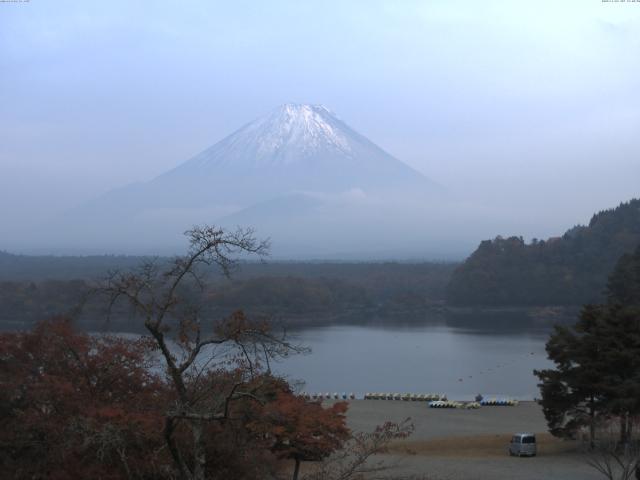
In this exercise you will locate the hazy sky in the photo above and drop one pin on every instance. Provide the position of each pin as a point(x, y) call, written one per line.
point(526, 105)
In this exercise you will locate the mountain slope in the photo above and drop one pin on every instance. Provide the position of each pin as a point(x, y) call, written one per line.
point(295, 148)
point(568, 270)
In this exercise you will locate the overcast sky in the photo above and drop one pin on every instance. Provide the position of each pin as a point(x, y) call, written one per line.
point(527, 105)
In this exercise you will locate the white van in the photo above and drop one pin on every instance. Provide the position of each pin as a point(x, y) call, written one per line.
point(523, 444)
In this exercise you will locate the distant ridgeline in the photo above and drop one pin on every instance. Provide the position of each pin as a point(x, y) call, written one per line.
point(567, 270)
point(46, 267)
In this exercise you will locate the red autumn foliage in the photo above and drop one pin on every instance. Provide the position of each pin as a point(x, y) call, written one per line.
point(77, 406)
point(302, 430)
point(74, 405)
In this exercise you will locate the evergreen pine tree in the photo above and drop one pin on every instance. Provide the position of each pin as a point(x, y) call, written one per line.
point(597, 361)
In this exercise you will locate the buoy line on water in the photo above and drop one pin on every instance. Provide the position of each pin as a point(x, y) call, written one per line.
point(494, 369)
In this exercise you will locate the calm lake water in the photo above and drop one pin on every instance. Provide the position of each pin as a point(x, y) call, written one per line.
point(490, 354)
point(459, 362)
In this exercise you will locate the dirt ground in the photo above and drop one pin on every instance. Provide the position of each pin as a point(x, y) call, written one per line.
point(471, 444)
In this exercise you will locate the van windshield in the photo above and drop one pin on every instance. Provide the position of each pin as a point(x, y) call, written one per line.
point(528, 439)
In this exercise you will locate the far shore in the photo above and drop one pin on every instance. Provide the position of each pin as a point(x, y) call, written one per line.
point(476, 317)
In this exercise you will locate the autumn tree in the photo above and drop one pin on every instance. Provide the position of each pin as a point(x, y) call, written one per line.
point(196, 351)
point(303, 430)
point(78, 406)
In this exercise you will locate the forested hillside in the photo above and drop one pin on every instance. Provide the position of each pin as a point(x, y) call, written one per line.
point(35, 288)
point(51, 267)
point(568, 270)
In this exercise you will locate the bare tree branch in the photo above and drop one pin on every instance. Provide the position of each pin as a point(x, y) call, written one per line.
point(163, 296)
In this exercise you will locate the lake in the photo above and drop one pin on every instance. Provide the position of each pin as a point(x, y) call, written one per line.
point(459, 362)
point(460, 356)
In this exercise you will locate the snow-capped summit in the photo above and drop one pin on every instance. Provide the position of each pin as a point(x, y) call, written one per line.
point(296, 147)
point(294, 131)
point(286, 135)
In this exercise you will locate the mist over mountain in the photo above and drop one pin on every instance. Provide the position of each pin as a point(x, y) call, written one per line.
point(298, 175)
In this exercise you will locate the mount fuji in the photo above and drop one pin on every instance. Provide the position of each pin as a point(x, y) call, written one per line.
point(294, 174)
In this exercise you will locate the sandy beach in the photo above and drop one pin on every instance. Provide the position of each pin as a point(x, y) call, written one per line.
point(456, 444)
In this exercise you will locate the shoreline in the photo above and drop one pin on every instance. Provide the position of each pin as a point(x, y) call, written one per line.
point(508, 318)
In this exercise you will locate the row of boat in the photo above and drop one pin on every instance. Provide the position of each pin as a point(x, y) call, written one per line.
point(413, 397)
point(329, 396)
point(436, 400)
point(499, 402)
point(489, 402)
point(452, 404)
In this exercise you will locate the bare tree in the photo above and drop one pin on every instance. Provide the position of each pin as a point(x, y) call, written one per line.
point(168, 299)
point(354, 461)
point(613, 458)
